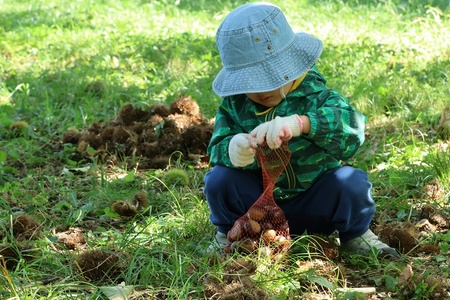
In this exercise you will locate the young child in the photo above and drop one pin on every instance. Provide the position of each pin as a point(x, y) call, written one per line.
point(272, 91)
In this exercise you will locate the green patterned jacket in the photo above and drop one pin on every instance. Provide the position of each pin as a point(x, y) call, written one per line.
point(337, 131)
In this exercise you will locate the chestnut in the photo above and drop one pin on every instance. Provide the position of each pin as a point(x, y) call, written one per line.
point(236, 231)
point(247, 245)
point(252, 228)
point(257, 213)
point(277, 216)
point(268, 236)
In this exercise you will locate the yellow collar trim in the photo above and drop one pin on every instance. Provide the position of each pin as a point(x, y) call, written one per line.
point(298, 81)
point(294, 86)
point(264, 112)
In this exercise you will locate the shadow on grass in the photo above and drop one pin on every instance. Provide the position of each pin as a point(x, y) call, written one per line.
point(101, 83)
point(155, 65)
point(393, 85)
point(211, 6)
point(400, 6)
point(63, 17)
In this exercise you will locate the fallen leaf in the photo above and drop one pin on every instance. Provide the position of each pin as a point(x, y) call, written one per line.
point(118, 292)
point(405, 275)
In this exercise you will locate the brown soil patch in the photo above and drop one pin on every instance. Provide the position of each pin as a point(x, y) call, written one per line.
point(234, 283)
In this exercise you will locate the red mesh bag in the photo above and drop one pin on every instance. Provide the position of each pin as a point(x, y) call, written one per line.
point(264, 226)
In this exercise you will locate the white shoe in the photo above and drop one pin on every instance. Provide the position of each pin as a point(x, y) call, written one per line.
point(364, 244)
point(219, 241)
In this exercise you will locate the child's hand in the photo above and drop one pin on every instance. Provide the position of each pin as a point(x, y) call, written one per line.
point(278, 130)
point(242, 149)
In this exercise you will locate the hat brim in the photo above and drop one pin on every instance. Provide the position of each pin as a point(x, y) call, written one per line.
point(272, 73)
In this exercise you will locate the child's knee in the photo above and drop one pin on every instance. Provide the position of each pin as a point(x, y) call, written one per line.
point(218, 179)
point(352, 180)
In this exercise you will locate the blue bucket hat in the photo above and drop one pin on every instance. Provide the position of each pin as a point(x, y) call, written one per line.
point(260, 52)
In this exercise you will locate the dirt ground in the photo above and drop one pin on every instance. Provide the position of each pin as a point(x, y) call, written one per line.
point(155, 134)
point(146, 139)
point(236, 281)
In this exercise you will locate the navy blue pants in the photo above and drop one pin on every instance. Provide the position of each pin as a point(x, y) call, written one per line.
point(340, 200)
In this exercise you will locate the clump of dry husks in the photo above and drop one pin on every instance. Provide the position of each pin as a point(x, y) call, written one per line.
point(12, 253)
point(147, 137)
point(101, 265)
point(23, 228)
point(402, 236)
point(130, 209)
point(21, 231)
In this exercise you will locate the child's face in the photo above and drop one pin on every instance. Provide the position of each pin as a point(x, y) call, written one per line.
point(272, 98)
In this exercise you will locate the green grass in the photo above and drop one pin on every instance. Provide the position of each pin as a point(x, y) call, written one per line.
point(65, 64)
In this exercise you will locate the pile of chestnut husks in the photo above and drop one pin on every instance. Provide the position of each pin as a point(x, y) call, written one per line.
point(263, 227)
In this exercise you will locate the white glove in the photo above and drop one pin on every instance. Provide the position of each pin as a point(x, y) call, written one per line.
point(242, 149)
point(278, 130)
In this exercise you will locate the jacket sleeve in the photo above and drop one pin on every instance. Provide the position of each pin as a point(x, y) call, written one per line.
point(226, 125)
point(336, 126)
